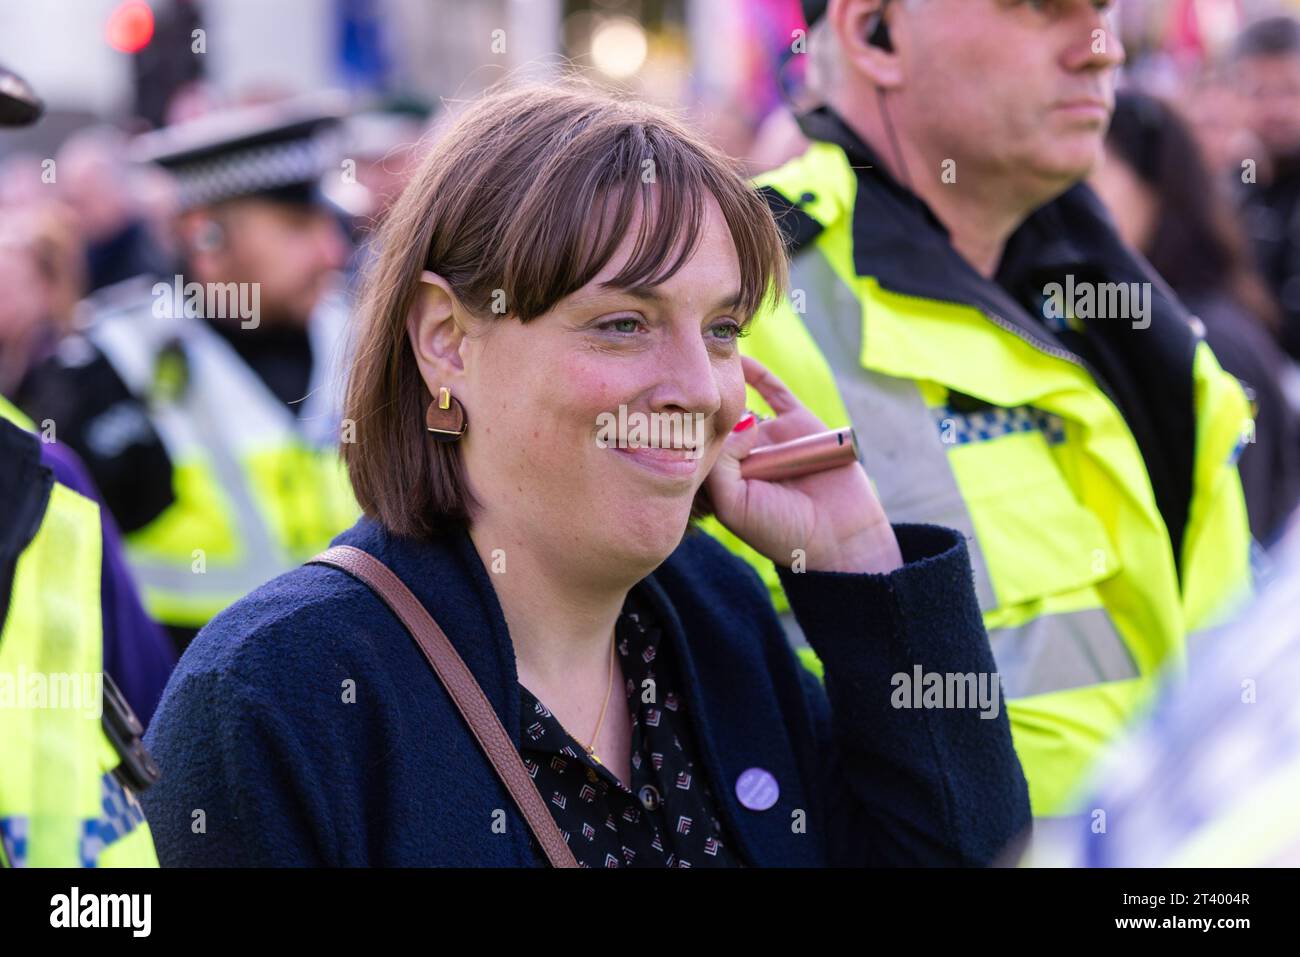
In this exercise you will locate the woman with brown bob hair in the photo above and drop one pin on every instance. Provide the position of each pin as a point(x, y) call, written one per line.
point(566, 272)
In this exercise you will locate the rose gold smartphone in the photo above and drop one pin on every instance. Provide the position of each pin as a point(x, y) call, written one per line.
point(802, 456)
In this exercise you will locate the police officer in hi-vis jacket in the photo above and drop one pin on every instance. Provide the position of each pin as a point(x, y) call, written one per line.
point(206, 403)
point(1015, 371)
point(71, 758)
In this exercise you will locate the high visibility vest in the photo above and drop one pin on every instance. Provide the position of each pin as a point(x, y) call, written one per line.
point(61, 805)
point(1073, 562)
point(256, 491)
point(16, 415)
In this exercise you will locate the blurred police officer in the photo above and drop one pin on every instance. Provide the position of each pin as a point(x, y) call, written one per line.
point(71, 759)
point(944, 256)
point(206, 403)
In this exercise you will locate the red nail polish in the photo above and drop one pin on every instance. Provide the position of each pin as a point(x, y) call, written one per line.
point(745, 423)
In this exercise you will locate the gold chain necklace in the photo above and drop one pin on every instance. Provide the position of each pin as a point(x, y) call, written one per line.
point(609, 685)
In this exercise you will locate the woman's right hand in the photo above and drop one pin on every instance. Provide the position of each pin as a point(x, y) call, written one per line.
point(833, 518)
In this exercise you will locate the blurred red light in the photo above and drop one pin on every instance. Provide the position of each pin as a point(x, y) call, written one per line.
point(130, 27)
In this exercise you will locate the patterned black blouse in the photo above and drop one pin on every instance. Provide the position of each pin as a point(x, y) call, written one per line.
point(669, 817)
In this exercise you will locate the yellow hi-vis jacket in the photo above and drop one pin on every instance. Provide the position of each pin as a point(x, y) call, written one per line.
point(256, 491)
point(973, 414)
point(62, 799)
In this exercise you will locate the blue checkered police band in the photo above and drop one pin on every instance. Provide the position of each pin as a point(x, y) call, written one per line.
point(957, 427)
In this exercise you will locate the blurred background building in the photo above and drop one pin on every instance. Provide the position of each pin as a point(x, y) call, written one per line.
point(143, 62)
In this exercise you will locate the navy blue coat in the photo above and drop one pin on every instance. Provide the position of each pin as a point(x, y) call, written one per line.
point(267, 760)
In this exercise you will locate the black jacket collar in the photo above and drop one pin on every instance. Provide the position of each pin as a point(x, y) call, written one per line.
point(25, 485)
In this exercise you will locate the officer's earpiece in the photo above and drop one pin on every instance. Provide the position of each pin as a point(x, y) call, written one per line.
point(208, 236)
point(878, 34)
point(878, 37)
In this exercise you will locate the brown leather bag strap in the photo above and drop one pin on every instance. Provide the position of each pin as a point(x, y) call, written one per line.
point(470, 701)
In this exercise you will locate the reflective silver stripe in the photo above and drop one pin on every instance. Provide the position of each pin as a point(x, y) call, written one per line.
point(793, 633)
point(260, 559)
point(225, 410)
point(901, 448)
point(214, 585)
point(1050, 653)
point(1058, 652)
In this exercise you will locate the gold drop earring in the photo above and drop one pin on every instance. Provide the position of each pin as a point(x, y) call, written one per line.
point(445, 418)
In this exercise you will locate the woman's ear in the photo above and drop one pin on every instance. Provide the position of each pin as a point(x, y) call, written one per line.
point(435, 332)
